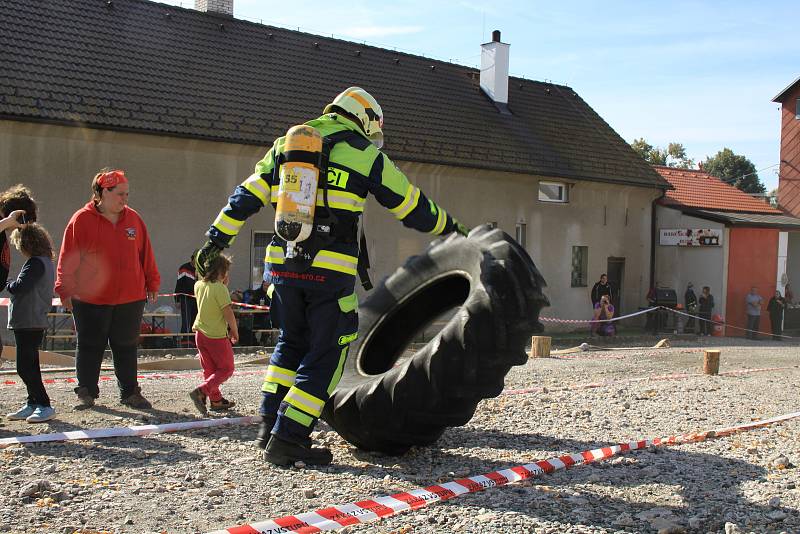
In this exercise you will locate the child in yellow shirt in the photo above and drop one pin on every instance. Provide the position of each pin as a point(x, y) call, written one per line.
point(215, 332)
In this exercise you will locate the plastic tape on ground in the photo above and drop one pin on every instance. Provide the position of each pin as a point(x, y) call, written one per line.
point(191, 425)
point(339, 517)
point(127, 431)
point(655, 378)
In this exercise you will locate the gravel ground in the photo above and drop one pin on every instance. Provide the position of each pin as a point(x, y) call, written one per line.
point(208, 479)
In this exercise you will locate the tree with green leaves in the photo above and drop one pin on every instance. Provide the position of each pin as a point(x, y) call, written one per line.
point(672, 156)
point(734, 169)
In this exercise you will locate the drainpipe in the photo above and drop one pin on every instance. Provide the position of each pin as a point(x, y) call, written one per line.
point(654, 238)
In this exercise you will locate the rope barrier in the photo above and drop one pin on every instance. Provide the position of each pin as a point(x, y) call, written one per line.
point(654, 309)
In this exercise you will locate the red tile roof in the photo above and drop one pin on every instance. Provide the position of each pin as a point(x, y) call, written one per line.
point(698, 189)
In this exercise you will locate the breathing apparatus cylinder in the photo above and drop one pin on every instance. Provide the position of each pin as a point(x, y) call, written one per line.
point(297, 189)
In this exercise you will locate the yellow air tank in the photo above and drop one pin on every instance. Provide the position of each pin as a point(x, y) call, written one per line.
point(297, 190)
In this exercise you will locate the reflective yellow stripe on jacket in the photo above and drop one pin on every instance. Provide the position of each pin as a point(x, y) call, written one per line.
point(408, 204)
point(227, 225)
point(256, 185)
point(441, 221)
point(325, 259)
point(340, 200)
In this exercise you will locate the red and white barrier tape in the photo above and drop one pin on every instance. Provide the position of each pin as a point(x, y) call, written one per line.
point(726, 325)
point(127, 431)
point(148, 376)
point(5, 301)
point(655, 308)
point(587, 321)
point(584, 356)
point(366, 511)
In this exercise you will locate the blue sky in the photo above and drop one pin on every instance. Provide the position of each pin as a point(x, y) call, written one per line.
point(699, 73)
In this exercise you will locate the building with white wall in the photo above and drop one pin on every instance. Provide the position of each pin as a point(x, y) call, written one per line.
point(187, 101)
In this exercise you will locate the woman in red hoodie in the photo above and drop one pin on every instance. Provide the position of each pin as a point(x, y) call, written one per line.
point(106, 271)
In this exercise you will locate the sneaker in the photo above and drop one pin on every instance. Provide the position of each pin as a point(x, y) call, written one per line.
point(85, 398)
point(199, 400)
point(136, 400)
point(285, 453)
point(265, 430)
point(222, 405)
point(23, 413)
point(41, 414)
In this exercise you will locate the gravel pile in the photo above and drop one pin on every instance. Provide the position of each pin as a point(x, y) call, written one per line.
point(203, 480)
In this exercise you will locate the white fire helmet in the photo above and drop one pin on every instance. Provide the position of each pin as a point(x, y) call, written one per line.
point(363, 106)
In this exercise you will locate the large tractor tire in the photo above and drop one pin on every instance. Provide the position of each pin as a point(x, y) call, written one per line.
point(391, 398)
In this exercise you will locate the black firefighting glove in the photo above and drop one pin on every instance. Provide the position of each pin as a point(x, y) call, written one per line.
point(461, 229)
point(204, 256)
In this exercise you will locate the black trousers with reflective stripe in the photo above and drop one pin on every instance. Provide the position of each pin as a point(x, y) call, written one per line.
point(311, 326)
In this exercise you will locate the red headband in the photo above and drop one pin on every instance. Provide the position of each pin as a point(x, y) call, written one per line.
point(110, 179)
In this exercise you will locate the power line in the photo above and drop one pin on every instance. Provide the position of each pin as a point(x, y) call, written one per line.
point(732, 180)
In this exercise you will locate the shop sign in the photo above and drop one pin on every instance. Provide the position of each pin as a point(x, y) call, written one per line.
point(691, 237)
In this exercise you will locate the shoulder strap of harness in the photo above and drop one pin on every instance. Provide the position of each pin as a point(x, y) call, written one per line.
point(328, 142)
point(359, 143)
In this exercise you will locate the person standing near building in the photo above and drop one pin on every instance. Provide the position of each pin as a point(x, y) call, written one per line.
point(753, 303)
point(314, 278)
point(775, 308)
point(31, 299)
point(690, 301)
point(106, 271)
point(600, 288)
point(185, 299)
point(17, 198)
point(706, 307)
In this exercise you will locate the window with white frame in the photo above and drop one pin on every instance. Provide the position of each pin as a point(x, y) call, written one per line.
point(259, 242)
point(553, 192)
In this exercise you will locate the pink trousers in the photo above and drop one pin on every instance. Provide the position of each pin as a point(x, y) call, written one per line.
point(216, 357)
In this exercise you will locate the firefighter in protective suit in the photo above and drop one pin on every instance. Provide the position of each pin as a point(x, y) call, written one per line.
point(314, 302)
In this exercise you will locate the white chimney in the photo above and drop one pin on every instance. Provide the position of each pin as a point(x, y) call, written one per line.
point(494, 69)
point(219, 7)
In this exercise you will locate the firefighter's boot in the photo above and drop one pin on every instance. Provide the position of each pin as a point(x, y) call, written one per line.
point(264, 430)
point(286, 453)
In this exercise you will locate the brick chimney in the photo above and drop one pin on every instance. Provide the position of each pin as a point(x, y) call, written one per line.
point(494, 69)
point(218, 7)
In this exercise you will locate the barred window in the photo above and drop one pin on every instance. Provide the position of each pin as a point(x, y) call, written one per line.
point(259, 241)
point(522, 234)
point(580, 266)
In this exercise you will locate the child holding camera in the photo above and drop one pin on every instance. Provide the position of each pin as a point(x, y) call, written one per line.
point(16, 207)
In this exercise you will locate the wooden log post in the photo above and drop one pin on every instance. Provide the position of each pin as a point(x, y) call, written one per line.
point(540, 346)
point(711, 362)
